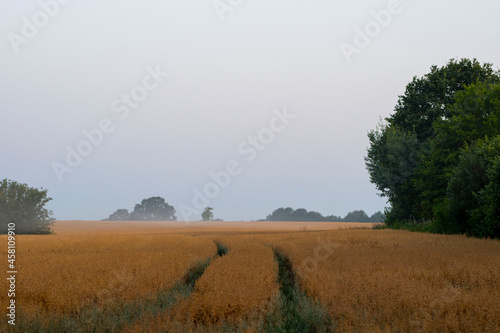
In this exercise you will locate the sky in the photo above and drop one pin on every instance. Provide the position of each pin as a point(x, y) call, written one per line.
point(243, 106)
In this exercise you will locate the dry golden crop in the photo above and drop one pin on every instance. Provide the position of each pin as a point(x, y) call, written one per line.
point(368, 280)
point(237, 289)
point(63, 273)
point(212, 227)
point(240, 285)
point(400, 281)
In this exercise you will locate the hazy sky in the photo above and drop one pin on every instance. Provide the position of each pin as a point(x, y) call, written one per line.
point(279, 94)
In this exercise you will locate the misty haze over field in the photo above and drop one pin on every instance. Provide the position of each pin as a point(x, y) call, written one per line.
point(243, 106)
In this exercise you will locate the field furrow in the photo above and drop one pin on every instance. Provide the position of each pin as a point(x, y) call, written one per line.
point(64, 274)
point(195, 279)
point(399, 281)
point(239, 285)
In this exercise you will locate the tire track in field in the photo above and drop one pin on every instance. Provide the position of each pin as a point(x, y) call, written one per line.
point(181, 290)
point(236, 292)
point(295, 311)
point(121, 315)
point(196, 271)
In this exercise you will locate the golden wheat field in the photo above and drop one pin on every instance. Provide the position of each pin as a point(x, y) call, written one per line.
point(241, 283)
point(101, 276)
point(63, 274)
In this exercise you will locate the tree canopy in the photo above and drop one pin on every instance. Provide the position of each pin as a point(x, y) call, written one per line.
point(301, 214)
point(119, 215)
point(151, 209)
point(413, 154)
point(471, 204)
point(207, 214)
point(24, 207)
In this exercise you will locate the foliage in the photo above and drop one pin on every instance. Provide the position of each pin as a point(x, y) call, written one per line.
point(24, 206)
point(427, 99)
point(377, 217)
point(151, 209)
point(413, 153)
point(490, 202)
point(289, 214)
point(471, 204)
point(356, 216)
point(281, 214)
point(475, 114)
point(207, 214)
point(301, 214)
point(119, 215)
point(391, 160)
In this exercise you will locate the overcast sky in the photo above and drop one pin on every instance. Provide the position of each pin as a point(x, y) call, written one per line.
point(105, 103)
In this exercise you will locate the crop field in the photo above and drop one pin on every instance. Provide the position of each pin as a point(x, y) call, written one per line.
point(64, 274)
point(252, 277)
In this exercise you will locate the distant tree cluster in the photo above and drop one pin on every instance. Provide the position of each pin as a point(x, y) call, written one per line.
point(437, 158)
point(152, 209)
point(301, 214)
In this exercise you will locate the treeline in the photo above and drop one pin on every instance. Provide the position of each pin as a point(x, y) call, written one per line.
point(437, 157)
point(301, 214)
point(152, 209)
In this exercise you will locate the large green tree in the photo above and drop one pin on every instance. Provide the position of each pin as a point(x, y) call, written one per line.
point(24, 207)
point(400, 157)
point(428, 98)
point(474, 115)
point(153, 209)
